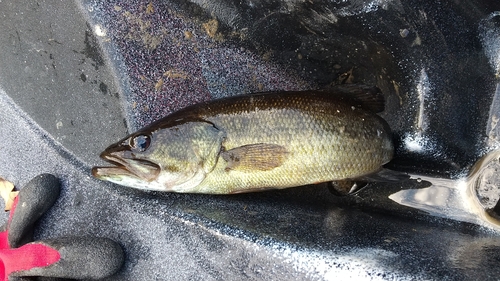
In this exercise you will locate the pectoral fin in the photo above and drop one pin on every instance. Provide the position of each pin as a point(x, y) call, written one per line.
point(255, 157)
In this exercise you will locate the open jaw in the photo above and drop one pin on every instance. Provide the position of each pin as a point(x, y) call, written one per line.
point(142, 170)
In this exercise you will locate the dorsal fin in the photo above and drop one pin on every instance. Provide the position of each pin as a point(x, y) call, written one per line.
point(366, 97)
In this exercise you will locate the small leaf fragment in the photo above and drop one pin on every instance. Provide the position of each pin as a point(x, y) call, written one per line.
point(10, 202)
point(7, 193)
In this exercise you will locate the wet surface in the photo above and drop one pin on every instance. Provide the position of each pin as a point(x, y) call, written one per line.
point(73, 79)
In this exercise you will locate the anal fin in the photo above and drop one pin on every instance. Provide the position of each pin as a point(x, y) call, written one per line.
point(385, 175)
point(346, 187)
point(353, 186)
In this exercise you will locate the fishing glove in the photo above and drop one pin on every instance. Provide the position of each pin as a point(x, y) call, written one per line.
point(68, 257)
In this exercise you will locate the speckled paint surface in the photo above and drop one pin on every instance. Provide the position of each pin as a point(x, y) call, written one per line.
point(172, 60)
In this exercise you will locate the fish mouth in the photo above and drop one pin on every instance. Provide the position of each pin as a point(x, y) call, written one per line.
point(135, 168)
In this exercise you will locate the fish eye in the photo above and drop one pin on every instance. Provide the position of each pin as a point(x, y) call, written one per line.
point(140, 143)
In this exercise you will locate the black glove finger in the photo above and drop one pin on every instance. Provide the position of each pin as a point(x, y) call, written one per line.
point(80, 258)
point(33, 201)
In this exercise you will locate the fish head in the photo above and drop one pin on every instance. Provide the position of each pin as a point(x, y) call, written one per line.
point(175, 158)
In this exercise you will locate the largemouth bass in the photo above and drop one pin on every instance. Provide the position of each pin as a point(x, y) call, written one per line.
point(255, 142)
